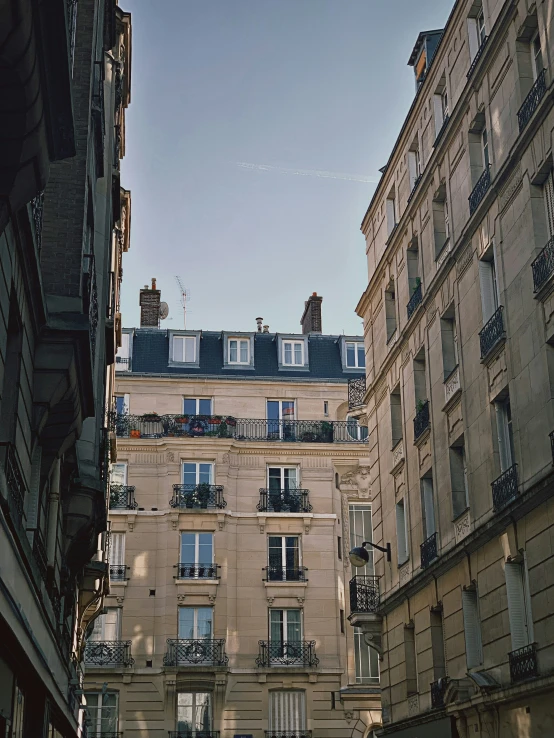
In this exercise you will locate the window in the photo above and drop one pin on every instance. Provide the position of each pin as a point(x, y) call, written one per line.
point(102, 713)
point(485, 147)
point(536, 56)
point(184, 349)
point(476, 32)
point(107, 627)
point(283, 558)
point(444, 104)
point(197, 548)
point(278, 412)
point(341, 621)
point(489, 287)
point(449, 341)
point(12, 369)
point(194, 714)
point(355, 355)
point(505, 434)
point(401, 532)
point(420, 381)
point(440, 105)
point(360, 530)
point(285, 626)
point(481, 33)
point(390, 310)
point(325, 408)
point(446, 220)
point(391, 213)
point(410, 659)
point(122, 404)
point(366, 660)
point(396, 415)
point(18, 713)
point(339, 547)
point(472, 627)
point(548, 194)
point(293, 353)
point(197, 406)
point(437, 644)
point(441, 220)
point(519, 604)
point(287, 712)
point(458, 479)
point(117, 549)
point(414, 163)
point(195, 473)
point(428, 507)
point(412, 262)
point(123, 355)
point(282, 478)
point(239, 351)
point(118, 474)
point(195, 623)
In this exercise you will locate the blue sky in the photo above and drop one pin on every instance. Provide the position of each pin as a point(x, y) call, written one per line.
point(254, 138)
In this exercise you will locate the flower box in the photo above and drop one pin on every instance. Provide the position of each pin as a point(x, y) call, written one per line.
point(231, 421)
point(135, 434)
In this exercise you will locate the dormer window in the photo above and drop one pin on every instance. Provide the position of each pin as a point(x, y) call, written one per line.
point(293, 353)
point(239, 351)
point(184, 348)
point(355, 355)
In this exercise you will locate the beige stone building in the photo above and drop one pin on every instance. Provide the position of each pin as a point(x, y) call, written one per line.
point(229, 538)
point(458, 399)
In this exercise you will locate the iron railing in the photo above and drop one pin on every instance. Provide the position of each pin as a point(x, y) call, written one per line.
point(504, 488)
point(492, 332)
point(195, 652)
point(103, 734)
point(442, 129)
point(428, 550)
point(531, 102)
point(477, 56)
point(284, 501)
point(197, 571)
point(122, 497)
point(287, 653)
point(113, 654)
point(422, 420)
point(288, 734)
point(438, 690)
point(543, 266)
point(415, 300)
point(118, 572)
point(478, 192)
point(190, 734)
point(15, 483)
point(356, 392)
point(523, 663)
point(364, 593)
point(197, 496)
point(417, 180)
point(123, 361)
point(37, 208)
point(39, 552)
point(285, 574)
point(551, 436)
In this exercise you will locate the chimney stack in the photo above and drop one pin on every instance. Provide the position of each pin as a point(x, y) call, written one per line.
point(149, 301)
point(311, 318)
point(259, 322)
point(266, 329)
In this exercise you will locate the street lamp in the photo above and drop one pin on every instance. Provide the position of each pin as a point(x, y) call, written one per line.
point(359, 556)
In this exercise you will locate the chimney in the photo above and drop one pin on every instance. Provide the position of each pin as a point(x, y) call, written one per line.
point(266, 329)
point(311, 318)
point(149, 302)
point(259, 322)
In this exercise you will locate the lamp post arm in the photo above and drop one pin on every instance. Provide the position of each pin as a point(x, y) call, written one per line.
point(385, 549)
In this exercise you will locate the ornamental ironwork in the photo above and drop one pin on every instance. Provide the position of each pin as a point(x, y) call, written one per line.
point(356, 392)
point(197, 734)
point(478, 192)
point(492, 332)
point(15, 483)
point(197, 571)
point(428, 550)
point(288, 734)
point(37, 209)
point(523, 663)
point(477, 56)
point(198, 496)
point(543, 266)
point(364, 593)
point(285, 574)
point(39, 552)
point(122, 497)
point(195, 652)
point(415, 300)
point(422, 420)
point(118, 573)
point(438, 690)
point(504, 488)
point(284, 501)
point(531, 102)
point(113, 654)
point(93, 309)
point(287, 653)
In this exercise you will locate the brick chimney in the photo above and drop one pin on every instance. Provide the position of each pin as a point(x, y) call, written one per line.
point(311, 319)
point(149, 302)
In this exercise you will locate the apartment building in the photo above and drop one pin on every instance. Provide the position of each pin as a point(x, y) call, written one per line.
point(64, 224)
point(240, 478)
point(458, 390)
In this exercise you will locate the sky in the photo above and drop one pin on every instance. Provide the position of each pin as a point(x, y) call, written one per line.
point(254, 139)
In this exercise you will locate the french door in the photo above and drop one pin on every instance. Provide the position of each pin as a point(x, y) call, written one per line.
point(194, 714)
point(283, 558)
point(285, 626)
point(195, 623)
point(278, 412)
point(102, 713)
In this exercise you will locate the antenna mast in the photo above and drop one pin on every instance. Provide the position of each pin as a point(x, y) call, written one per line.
point(185, 297)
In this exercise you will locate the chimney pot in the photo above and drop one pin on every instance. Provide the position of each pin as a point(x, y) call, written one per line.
point(259, 322)
point(153, 283)
point(266, 329)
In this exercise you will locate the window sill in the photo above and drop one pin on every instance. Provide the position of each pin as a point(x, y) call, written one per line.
point(195, 582)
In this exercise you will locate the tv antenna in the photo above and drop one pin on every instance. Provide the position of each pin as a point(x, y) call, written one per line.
point(185, 297)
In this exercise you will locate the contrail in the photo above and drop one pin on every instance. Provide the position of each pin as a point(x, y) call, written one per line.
point(306, 172)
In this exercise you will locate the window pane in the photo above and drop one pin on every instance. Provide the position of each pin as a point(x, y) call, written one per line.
point(205, 474)
point(360, 531)
point(120, 404)
point(189, 473)
point(288, 353)
point(272, 410)
point(233, 351)
point(275, 548)
point(189, 406)
point(290, 478)
point(205, 407)
point(188, 547)
point(205, 618)
point(292, 552)
point(205, 548)
point(177, 348)
point(298, 353)
point(276, 625)
point(244, 352)
point(288, 410)
point(203, 712)
point(274, 478)
point(186, 622)
point(293, 625)
point(190, 348)
point(350, 354)
point(361, 355)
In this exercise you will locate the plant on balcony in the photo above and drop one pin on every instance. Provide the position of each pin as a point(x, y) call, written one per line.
point(310, 437)
point(197, 427)
point(202, 494)
point(150, 417)
point(327, 432)
point(135, 434)
point(182, 419)
point(231, 421)
point(291, 500)
point(417, 284)
point(275, 500)
point(420, 404)
point(216, 419)
point(223, 431)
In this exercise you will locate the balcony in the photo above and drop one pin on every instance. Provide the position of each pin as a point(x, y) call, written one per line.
point(39, 552)
point(422, 419)
point(197, 571)
point(543, 266)
point(122, 497)
point(438, 690)
point(195, 652)
point(531, 102)
point(428, 550)
point(504, 489)
point(415, 300)
point(102, 733)
point(478, 192)
point(15, 482)
point(285, 574)
point(118, 573)
point(109, 654)
point(198, 497)
point(122, 363)
point(288, 734)
point(364, 593)
point(356, 392)
point(492, 333)
point(284, 501)
point(198, 734)
point(477, 56)
point(523, 663)
point(287, 653)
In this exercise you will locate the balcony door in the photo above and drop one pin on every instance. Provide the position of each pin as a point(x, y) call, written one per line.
point(194, 714)
point(107, 627)
point(197, 473)
point(287, 712)
point(197, 549)
point(102, 713)
point(195, 623)
point(278, 412)
point(285, 626)
point(283, 558)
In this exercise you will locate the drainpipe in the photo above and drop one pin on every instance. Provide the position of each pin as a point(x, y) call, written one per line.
point(53, 514)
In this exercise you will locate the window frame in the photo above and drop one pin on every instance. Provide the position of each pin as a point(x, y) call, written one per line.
point(197, 534)
point(99, 708)
point(284, 623)
point(471, 618)
point(195, 622)
point(359, 534)
point(281, 717)
point(194, 706)
point(536, 71)
point(197, 401)
point(284, 548)
point(359, 644)
point(401, 505)
point(197, 335)
point(241, 365)
point(209, 463)
point(293, 338)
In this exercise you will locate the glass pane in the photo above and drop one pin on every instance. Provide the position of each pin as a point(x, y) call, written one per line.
point(275, 548)
point(204, 622)
point(290, 478)
point(203, 711)
point(350, 354)
point(189, 406)
point(288, 353)
point(189, 473)
point(272, 410)
point(118, 473)
point(189, 348)
point(292, 552)
point(233, 351)
point(293, 625)
point(274, 478)
point(186, 622)
point(276, 625)
point(361, 355)
point(288, 410)
point(244, 352)
point(120, 404)
point(188, 548)
point(205, 548)
point(360, 531)
point(184, 712)
point(205, 407)
point(298, 353)
point(205, 474)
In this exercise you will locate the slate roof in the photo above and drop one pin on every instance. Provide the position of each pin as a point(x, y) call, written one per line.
point(150, 355)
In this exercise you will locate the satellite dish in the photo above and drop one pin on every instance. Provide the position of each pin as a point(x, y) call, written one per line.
point(164, 310)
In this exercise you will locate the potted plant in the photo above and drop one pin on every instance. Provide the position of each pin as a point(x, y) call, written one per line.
point(216, 419)
point(327, 432)
point(231, 421)
point(150, 417)
point(182, 419)
point(420, 404)
point(202, 494)
point(135, 434)
point(197, 426)
point(223, 431)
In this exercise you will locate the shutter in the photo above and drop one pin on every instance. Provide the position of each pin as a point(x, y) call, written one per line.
point(428, 506)
point(401, 532)
point(472, 628)
point(117, 549)
point(548, 193)
point(516, 605)
point(488, 300)
point(503, 440)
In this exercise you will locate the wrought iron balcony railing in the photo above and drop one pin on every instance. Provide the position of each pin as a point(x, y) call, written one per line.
point(39, 552)
point(478, 192)
point(195, 652)
point(492, 332)
point(531, 102)
point(356, 392)
point(422, 420)
point(15, 483)
point(504, 488)
point(37, 206)
point(477, 56)
point(438, 690)
point(285, 574)
point(428, 550)
point(112, 654)
point(543, 266)
point(288, 734)
point(523, 663)
point(197, 571)
point(122, 363)
point(122, 497)
point(415, 300)
point(118, 572)
point(364, 593)
point(287, 653)
point(197, 496)
point(189, 734)
point(284, 501)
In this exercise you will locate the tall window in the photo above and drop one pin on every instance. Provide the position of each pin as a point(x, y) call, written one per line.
point(122, 404)
point(293, 353)
point(401, 532)
point(12, 369)
point(355, 355)
point(477, 32)
point(197, 548)
point(489, 287)
point(414, 163)
point(18, 713)
point(441, 221)
point(107, 627)
point(485, 145)
point(437, 644)
point(458, 479)
point(282, 478)
point(102, 713)
point(194, 714)
point(117, 551)
point(366, 660)
point(360, 531)
point(505, 434)
point(548, 194)
point(536, 56)
point(184, 349)
point(440, 105)
point(519, 604)
point(283, 558)
point(420, 380)
point(195, 473)
point(472, 627)
point(239, 351)
point(197, 406)
point(428, 507)
point(277, 411)
point(285, 626)
point(287, 712)
point(391, 213)
point(449, 341)
point(390, 310)
point(118, 473)
point(195, 623)
point(410, 659)
point(396, 415)
point(481, 33)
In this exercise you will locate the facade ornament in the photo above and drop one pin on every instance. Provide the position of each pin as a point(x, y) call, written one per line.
point(181, 597)
point(348, 716)
point(170, 457)
point(300, 601)
point(360, 479)
point(270, 601)
point(211, 599)
point(120, 599)
point(131, 524)
point(225, 458)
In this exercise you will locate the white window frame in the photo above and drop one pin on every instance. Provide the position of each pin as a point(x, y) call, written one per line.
point(489, 288)
point(481, 27)
point(428, 504)
point(196, 535)
point(356, 345)
point(485, 148)
point(293, 339)
point(124, 471)
point(186, 335)
point(360, 517)
point(207, 462)
point(293, 344)
point(283, 537)
point(282, 468)
point(403, 548)
point(285, 611)
point(446, 222)
point(100, 728)
point(197, 401)
point(505, 441)
point(271, 399)
point(372, 660)
point(101, 628)
point(191, 341)
point(194, 609)
point(519, 603)
point(239, 341)
point(194, 707)
point(287, 711)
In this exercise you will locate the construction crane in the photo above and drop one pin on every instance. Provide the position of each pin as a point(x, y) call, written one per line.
point(185, 297)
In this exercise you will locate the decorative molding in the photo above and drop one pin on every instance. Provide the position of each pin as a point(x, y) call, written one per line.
point(404, 573)
point(300, 601)
point(261, 523)
point(413, 705)
point(225, 458)
point(464, 261)
point(345, 530)
point(348, 716)
point(181, 597)
point(359, 479)
point(446, 250)
point(119, 600)
point(462, 526)
point(211, 599)
point(510, 189)
point(397, 455)
point(270, 601)
point(170, 457)
point(452, 385)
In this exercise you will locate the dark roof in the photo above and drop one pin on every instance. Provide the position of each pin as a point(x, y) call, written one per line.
point(150, 355)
